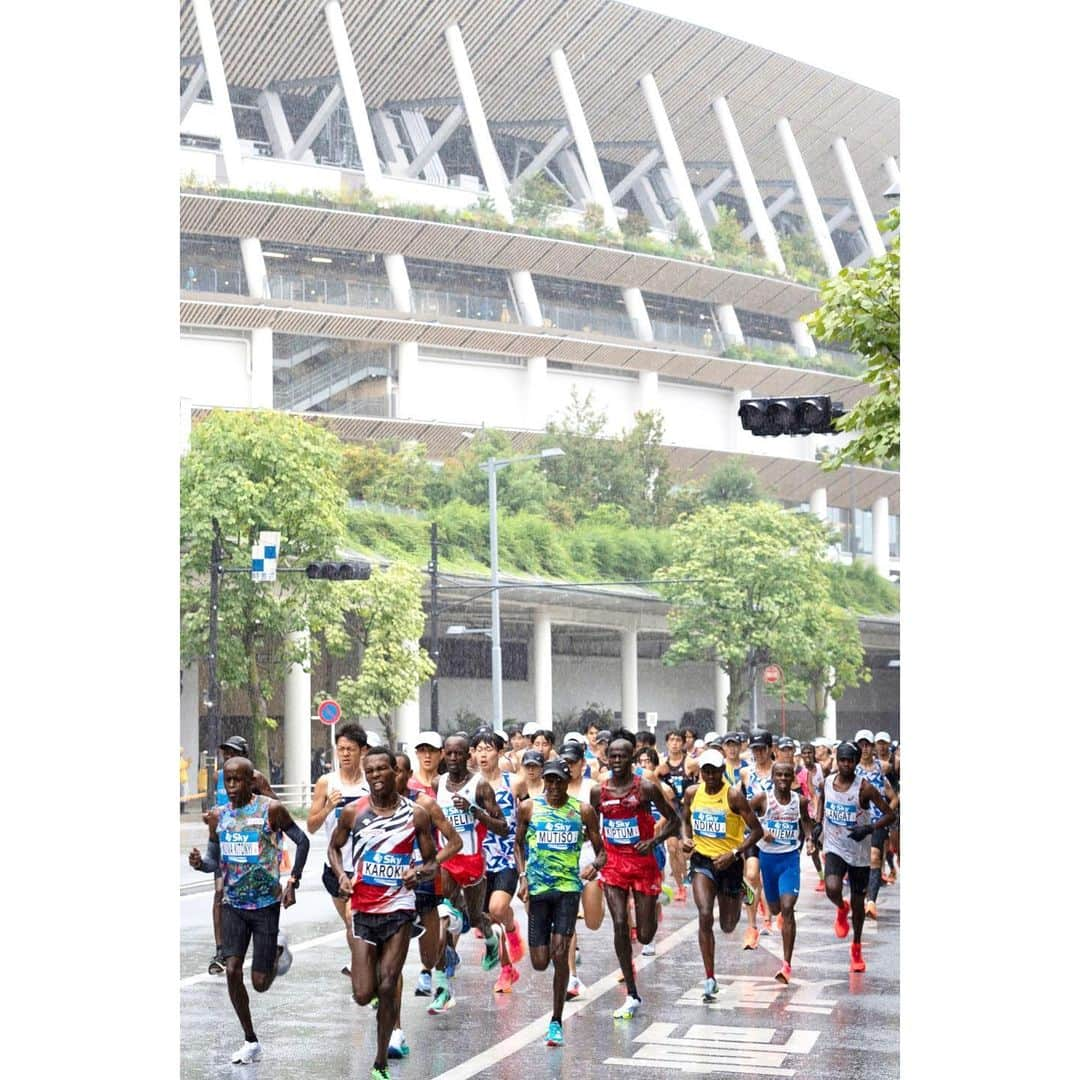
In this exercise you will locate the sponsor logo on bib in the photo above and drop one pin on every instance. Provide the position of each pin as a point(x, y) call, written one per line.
point(558, 836)
point(383, 867)
point(709, 824)
point(840, 813)
point(240, 845)
point(784, 832)
point(621, 830)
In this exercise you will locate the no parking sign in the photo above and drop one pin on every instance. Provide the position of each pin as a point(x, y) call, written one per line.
point(329, 712)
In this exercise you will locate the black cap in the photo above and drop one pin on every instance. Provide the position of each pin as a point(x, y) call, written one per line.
point(556, 767)
point(849, 751)
point(532, 757)
point(603, 736)
point(237, 743)
point(786, 743)
point(760, 738)
point(731, 736)
point(571, 750)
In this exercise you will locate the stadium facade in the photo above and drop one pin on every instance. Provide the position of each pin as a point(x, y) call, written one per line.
point(394, 304)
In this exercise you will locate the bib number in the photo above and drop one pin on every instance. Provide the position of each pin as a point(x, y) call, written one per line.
point(462, 820)
point(784, 832)
point(842, 814)
point(709, 826)
point(557, 836)
point(240, 845)
point(383, 868)
point(621, 830)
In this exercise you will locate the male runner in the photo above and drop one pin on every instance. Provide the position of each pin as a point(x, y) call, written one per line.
point(720, 829)
point(469, 804)
point(815, 778)
point(871, 768)
point(730, 743)
point(883, 748)
point(381, 830)
point(592, 894)
point(544, 741)
point(234, 746)
point(755, 779)
point(782, 810)
point(624, 802)
point(843, 828)
point(547, 845)
point(677, 770)
point(333, 792)
point(245, 843)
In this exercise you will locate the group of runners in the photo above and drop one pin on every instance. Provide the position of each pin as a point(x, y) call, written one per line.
point(439, 848)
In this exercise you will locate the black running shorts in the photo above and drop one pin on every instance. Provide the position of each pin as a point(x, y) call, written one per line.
point(878, 838)
point(240, 925)
point(501, 881)
point(330, 883)
point(378, 929)
point(858, 876)
point(552, 913)
point(728, 881)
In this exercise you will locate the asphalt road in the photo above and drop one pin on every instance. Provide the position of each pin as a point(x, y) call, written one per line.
point(826, 1024)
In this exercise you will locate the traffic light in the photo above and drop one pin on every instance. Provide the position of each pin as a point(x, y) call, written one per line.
point(350, 570)
point(790, 415)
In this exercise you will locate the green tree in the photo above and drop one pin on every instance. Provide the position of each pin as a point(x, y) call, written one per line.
point(731, 482)
point(726, 234)
point(537, 198)
point(861, 309)
point(523, 487)
point(641, 480)
point(397, 475)
point(756, 589)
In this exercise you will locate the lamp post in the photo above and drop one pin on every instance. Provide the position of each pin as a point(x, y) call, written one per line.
point(491, 467)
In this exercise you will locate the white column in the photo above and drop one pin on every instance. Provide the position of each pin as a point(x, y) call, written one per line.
point(638, 312)
point(819, 504)
point(879, 512)
point(298, 719)
point(435, 143)
point(301, 149)
point(748, 184)
point(830, 716)
point(277, 126)
point(541, 665)
point(648, 391)
point(594, 174)
point(397, 277)
point(251, 257)
point(555, 145)
point(638, 172)
point(494, 175)
point(354, 96)
point(804, 343)
point(729, 324)
point(785, 198)
point(684, 190)
point(262, 368)
point(722, 685)
point(858, 197)
point(629, 699)
point(407, 721)
point(536, 388)
point(219, 91)
point(189, 725)
point(406, 352)
point(892, 170)
point(808, 196)
point(192, 90)
point(527, 301)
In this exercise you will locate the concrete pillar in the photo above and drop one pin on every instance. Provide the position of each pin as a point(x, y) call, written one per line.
point(748, 184)
point(722, 685)
point(784, 199)
point(892, 170)
point(880, 532)
point(354, 97)
point(808, 197)
point(684, 191)
point(301, 148)
point(189, 725)
point(397, 276)
point(494, 175)
point(638, 172)
point(408, 375)
point(407, 722)
point(541, 663)
point(638, 312)
point(298, 720)
point(858, 197)
point(648, 391)
point(555, 145)
point(819, 505)
point(536, 403)
point(729, 324)
point(262, 368)
point(527, 301)
point(436, 142)
point(219, 91)
point(629, 698)
point(251, 257)
point(804, 343)
point(830, 715)
point(192, 90)
point(277, 126)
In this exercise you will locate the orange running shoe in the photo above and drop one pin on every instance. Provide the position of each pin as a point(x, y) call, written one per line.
point(507, 977)
point(750, 941)
point(515, 946)
point(857, 962)
point(820, 886)
point(871, 910)
point(841, 925)
point(784, 974)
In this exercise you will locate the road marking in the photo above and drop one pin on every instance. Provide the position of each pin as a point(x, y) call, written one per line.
point(301, 946)
point(762, 992)
point(536, 1030)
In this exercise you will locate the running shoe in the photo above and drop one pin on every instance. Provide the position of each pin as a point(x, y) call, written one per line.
point(491, 956)
point(379, 1074)
point(423, 985)
point(554, 1035)
point(452, 961)
point(443, 1001)
point(648, 950)
point(507, 977)
point(398, 1047)
point(857, 962)
point(575, 987)
point(749, 896)
point(709, 990)
point(627, 1009)
point(217, 965)
point(249, 1052)
point(784, 974)
point(750, 940)
point(820, 886)
point(871, 910)
point(841, 925)
point(667, 894)
point(284, 960)
point(515, 946)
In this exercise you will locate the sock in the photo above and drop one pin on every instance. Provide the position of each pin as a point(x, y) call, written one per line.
point(708, 973)
point(875, 882)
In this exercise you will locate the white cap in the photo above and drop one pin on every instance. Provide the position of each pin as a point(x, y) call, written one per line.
point(711, 757)
point(882, 736)
point(698, 743)
point(428, 738)
point(864, 733)
point(712, 737)
point(820, 740)
point(575, 736)
point(530, 729)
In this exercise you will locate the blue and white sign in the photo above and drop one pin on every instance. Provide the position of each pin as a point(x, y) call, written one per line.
point(264, 557)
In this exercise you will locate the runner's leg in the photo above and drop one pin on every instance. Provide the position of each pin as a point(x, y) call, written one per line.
point(617, 900)
point(389, 959)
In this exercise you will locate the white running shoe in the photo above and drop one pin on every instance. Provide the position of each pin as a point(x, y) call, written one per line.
point(575, 987)
point(648, 950)
point(628, 1008)
point(284, 960)
point(249, 1052)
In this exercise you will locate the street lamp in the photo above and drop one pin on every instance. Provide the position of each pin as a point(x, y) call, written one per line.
point(491, 467)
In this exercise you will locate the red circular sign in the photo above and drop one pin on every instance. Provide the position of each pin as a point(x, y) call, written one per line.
point(771, 674)
point(329, 712)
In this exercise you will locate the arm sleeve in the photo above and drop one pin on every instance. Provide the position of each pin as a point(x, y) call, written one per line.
point(211, 857)
point(296, 835)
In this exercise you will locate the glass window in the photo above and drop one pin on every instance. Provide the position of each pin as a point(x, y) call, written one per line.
point(211, 265)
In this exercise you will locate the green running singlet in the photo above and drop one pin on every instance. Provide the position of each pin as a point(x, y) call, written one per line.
point(553, 847)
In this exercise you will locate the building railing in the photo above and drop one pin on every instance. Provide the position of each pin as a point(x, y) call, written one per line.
point(455, 305)
point(202, 277)
point(697, 335)
point(310, 289)
point(587, 320)
point(304, 390)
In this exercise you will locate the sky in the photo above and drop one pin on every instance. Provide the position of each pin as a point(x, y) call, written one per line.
point(841, 37)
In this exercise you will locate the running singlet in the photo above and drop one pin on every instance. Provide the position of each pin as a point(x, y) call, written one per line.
point(472, 832)
point(350, 793)
point(876, 776)
point(499, 850)
point(716, 828)
point(250, 851)
point(677, 779)
point(842, 812)
point(413, 788)
point(754, 784)
point(625, 820)
point(553, 847)
point(783, 822)
point(381, 852)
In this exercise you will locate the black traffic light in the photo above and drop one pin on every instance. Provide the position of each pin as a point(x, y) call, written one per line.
point(790, 415)
point(350, 570)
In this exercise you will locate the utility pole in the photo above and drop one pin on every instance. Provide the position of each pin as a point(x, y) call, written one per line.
point(496, 638)
point(433, 568)
point(214, 713)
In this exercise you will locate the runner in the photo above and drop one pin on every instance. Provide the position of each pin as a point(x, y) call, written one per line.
point(381, 830)
point(624, 802)
point(843, 829)
point(870, 768)
point(547, 846)
point(782, 810)
point(719, 829)
point(733, 765)
point(544, 741)
point(757, 777)
point(677, 770)
point(892, 852)
point(527, 782)
point(884, 748)
point(333, 792)
point(245, 842)
point(814, 780)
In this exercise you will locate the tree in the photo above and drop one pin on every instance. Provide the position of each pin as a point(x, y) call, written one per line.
point(397, 475)
point(861, 308)
point(523, 487)
point(731, 482)
point(756, 589)
point(641, 480)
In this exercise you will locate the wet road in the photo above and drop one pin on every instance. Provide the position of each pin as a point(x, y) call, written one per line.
point(826, 1024)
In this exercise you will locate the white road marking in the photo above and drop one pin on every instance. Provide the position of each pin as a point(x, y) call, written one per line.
point(536, 1030)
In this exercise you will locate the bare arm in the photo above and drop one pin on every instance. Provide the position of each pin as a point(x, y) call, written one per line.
point(280, 818)
point(591, 824)
point(322, 806)
point(422, 824)
point(653, 794)
point(448, 832)
point(486, 810)
point(738, 803)
point(524, 816)
point(870, 794)
point(687, 823)
point(340, 837)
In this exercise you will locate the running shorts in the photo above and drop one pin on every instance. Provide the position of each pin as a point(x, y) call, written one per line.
point(501, 881)
point(552, 913)
point(426, 901)
point(240, 925)
point(858, 876)
point(378, 929)
point(626, 869)
point(780, 875)
point(728, 881)
point(466, 870)
point(330, 883)
point(878, 838)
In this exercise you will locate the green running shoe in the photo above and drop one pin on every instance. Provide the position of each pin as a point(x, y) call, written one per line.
point(554, 1035)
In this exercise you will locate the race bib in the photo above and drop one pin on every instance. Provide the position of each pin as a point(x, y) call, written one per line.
point(462, 820)
point(708, 824)
point(621, 830)
point(842, 814)
point(383, 867)
point(784, 832)
point(558, 836)
point(240, 845)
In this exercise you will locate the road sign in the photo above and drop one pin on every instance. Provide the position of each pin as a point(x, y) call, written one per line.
point(264, 557)
point(651, 720)
point(771, 675)
point(329, 712)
